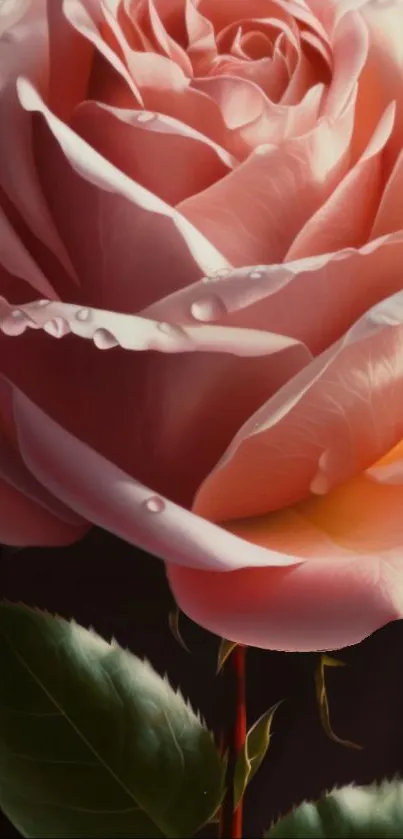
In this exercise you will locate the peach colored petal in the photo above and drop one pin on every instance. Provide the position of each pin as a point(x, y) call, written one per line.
point(165, 156)
point(350, 52)
point(86, 19)
point(151, 437)
point(222, 13)
point(320, 605)
point(202, 49)
point(25, 523)
point(323, 427)
point(270, 74)
point(346, 218)
point(113, 209)
point(154, 81)
point(85, 481)
point(167, 45)
point(250, 116)
point(389, 217)
point(351, 583)
point(381, 79)
point(254, 213)
point(273, 297)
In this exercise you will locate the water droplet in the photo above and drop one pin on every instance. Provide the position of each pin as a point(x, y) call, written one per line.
point(172, 330)
point(208, 308)
point(104, 340)
point(83, 314)
point(255, 275)
point(17, 313)
point(145, 116)
point(321, 483)
point(42, 302)
point(216, 275)
point(55, 327)
point(155, 504)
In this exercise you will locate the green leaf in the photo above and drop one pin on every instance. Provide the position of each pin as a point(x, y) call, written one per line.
point(323, 704)
point(255, 748)
point(370, 812)
point(173, 620)
point(93, 742)
point(224, 651)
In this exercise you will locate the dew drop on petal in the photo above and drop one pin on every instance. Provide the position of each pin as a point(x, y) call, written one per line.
point(216, 275)
point(208, 308)
point(321, 483)
point(145, 116)
point(255, 275)
point(155, 504)
point(83, 314)
point(171, 330)
point(104, 340)
point(55, 327)
point(42, 302)
point(17, 313)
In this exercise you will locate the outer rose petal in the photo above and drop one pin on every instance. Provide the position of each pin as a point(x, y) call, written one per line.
point(25, 523)
point(323, 427)
point(139, 427)
point(343, 285)
point(107, 496)
point(351, 584)
point(319, 605)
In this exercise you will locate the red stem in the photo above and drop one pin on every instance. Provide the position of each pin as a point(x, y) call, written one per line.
point(239, 664)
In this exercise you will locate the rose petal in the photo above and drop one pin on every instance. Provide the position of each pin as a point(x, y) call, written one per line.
point(252, 119)
point(389, 217)
point(113, 210)
point(381, 80)
point(350, 52)
point(273, 297)
point(202, 48)
point(25, 50)
point(165, 156)
point(326, 425)
point(346, 218)
point(85, 19)
point(167, 45)
point(92, 486)
point(315, 606)
point(254, 213)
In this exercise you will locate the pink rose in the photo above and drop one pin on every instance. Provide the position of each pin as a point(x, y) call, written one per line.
point(212, 191)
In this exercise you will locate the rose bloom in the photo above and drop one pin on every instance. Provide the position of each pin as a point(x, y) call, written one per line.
point(212, 192)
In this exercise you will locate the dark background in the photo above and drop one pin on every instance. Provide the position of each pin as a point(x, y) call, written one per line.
point(122, 592)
